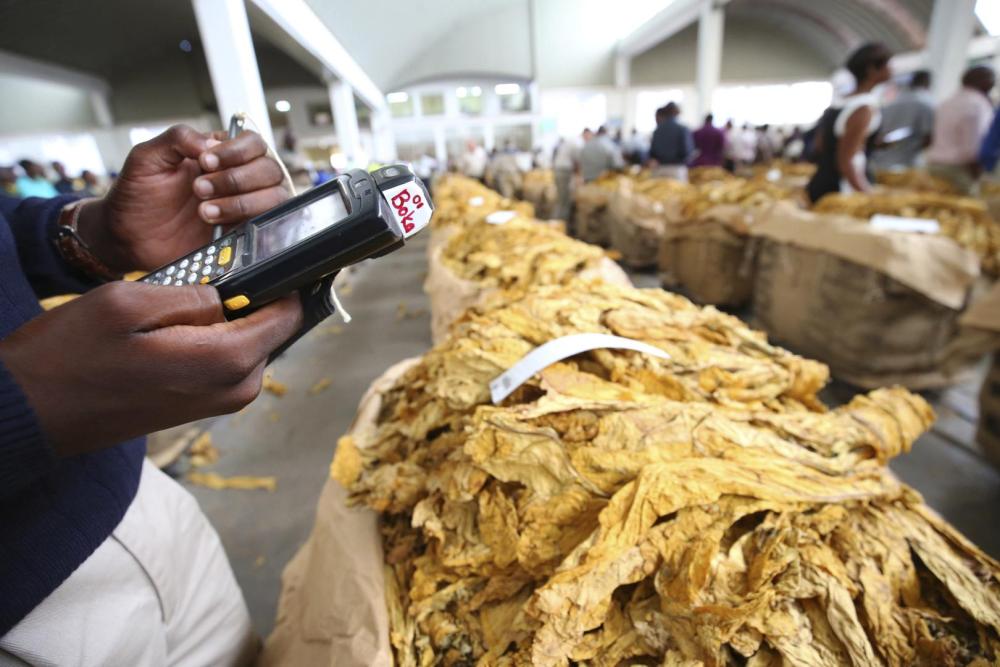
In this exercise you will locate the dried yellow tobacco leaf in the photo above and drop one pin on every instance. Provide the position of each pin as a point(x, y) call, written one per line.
point(245, 482)
point(701, 510)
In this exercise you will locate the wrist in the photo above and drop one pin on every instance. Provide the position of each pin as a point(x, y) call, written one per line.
point(94, 229)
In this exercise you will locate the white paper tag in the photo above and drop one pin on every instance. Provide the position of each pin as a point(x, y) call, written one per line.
point(895, 223)
point(774, 175)
point(500, 217)
point(545, 355)
point(476, 201)
point(409, 207)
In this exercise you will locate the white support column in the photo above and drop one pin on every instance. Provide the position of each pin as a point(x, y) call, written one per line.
point(948, 41)
point(383, 138)
point(232, 63)
point(345, 117)
point(711, 20)
point(489, 136)
point(440, 146)
point(623, 81)
point(101, 105)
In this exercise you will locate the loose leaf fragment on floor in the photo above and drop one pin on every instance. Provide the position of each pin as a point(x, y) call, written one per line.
point(273, 386)
point(320, 386)
point(202, 452)
point(213, 480)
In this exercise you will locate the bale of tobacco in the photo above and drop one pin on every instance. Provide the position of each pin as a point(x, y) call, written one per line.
point(702, 509)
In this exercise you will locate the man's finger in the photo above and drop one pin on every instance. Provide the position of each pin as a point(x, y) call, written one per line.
point(246, 147)
point(197, 305)
point(263, 331)
point(240, 207)
point(259, 174)
point(174, 145)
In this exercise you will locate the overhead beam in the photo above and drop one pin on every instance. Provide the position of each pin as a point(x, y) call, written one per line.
point(11, 63)
point(665, 24)
point(299, 22)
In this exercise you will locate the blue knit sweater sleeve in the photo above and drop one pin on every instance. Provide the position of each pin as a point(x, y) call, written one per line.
point(33, 222)
point(25, 456)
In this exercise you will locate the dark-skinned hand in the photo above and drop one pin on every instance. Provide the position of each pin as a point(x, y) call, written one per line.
point(170, 187)
point(126, 359)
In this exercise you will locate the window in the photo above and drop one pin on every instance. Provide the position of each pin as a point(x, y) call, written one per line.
point(432, 104)
point(400, 104)
point(470, 100)
point(513, 98)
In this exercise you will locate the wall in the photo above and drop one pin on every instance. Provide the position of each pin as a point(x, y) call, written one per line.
point(31, 105)
point(750, 53)
point(300, 97)
point(164, 90)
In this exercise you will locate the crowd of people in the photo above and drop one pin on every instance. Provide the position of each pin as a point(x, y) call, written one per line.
point(957, 140)
point(29, 179)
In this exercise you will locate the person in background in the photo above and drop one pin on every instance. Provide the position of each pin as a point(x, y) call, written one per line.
point(959, 127)
point(989, 151)
point(744, 146)
point(728, 156)
point(91, 184)
point(8, 182)
point(848, 134)
point(33, 183)
point(710, 142)
point(506, 172)
point(672, 145)
point(634, 149)
point(911, 117)
point(473, 161)
point(565, 163)
point(63, 183)
point(794, 145)
point(765, 144)
point(598, 155)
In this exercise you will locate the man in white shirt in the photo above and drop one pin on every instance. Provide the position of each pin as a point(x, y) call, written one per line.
point(565, 163)
point(598, 155)
point(961, 123)
point(473, 162)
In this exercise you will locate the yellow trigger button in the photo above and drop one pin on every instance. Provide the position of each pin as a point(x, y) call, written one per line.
point(204, 280)
point(225, 255)
point(236, 302)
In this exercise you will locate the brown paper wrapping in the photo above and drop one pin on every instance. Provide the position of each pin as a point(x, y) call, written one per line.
point(636, 224)
point(711, 258)
point(450, 295)
point(879, 308)
point(332, 610)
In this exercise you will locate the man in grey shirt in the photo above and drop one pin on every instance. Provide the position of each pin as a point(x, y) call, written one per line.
point(907, 124)
point(598, 155)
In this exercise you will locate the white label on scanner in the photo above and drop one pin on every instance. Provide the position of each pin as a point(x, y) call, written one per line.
point(545, 355)
point(500, 217)
point(895, 223)
point(409, 207)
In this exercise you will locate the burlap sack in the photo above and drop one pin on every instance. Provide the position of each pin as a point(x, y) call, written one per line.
point(637, 224)
point(591, 223)
point(880, 308)
point(540, 190)
point(710, 259)
point(449, 295)
point(988, 431)
point(332, 610)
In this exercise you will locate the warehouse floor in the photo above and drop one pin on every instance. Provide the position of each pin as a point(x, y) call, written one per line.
point(293, 437)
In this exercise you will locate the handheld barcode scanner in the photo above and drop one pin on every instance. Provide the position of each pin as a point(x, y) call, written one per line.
point(304, 242)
